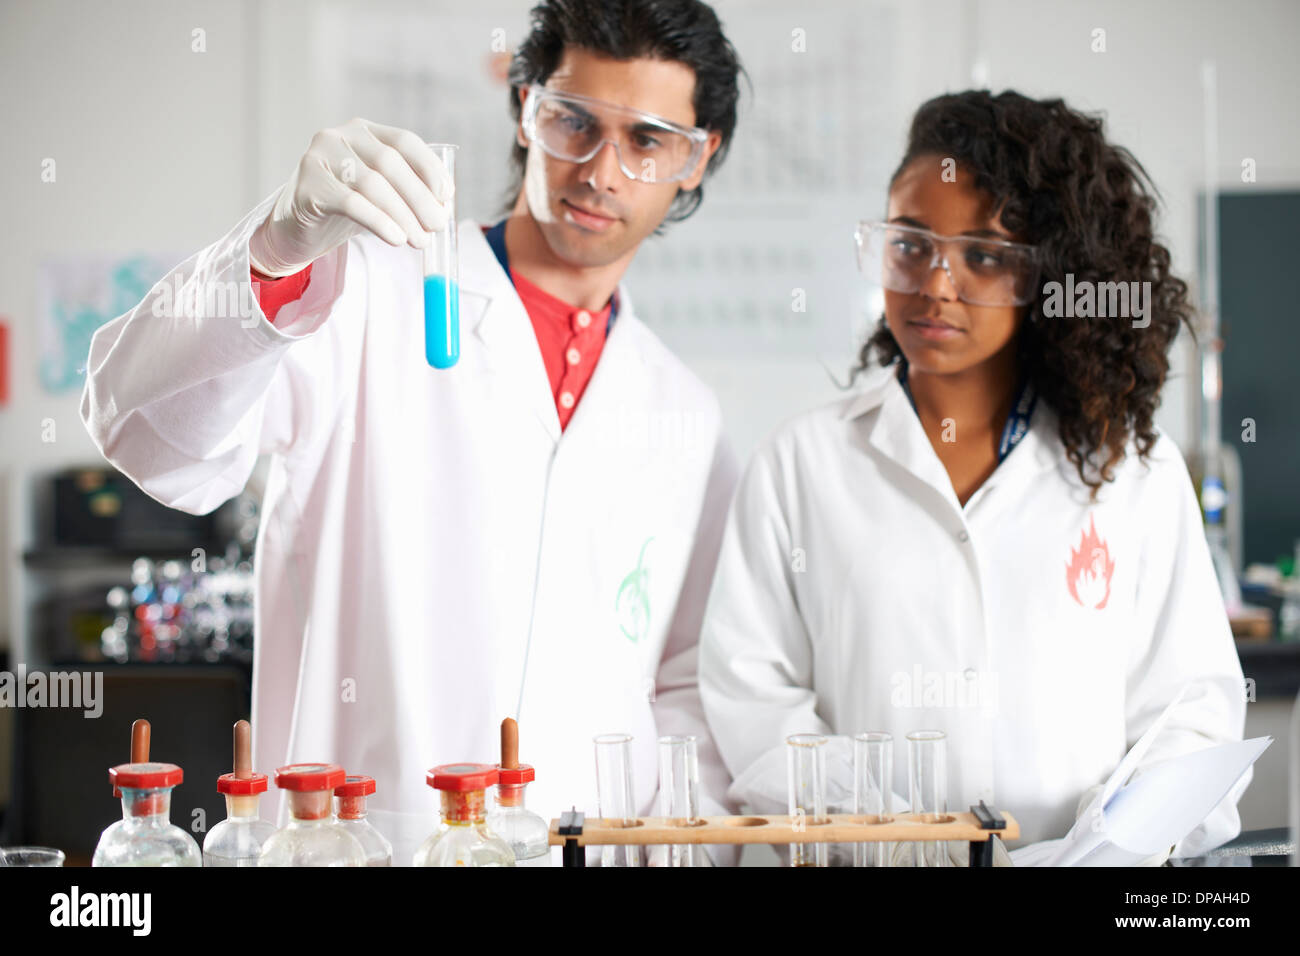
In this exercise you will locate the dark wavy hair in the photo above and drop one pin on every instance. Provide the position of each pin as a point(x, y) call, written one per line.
point(1089, 206)
point(683, 31)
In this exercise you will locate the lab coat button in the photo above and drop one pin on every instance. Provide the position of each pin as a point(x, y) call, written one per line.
point(969, 673)
point(583, 318)
point(963, 536)
point(566, 399)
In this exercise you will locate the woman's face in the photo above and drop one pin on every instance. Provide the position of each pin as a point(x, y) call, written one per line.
point(938, 333)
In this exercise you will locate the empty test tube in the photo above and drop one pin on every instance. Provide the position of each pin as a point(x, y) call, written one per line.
point(927, 782)
point(614, 794)
point(873, 785)
point(806, 776)
point(679, 794)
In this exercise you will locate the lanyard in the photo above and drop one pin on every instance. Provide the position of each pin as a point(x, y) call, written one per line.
point(496, 238)
point(1022, 409)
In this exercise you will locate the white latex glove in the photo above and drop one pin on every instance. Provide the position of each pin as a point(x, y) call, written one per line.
point(360, 175)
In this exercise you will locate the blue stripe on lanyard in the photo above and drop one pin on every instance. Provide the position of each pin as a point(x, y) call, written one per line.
point(1022, 409)
point(496, 239)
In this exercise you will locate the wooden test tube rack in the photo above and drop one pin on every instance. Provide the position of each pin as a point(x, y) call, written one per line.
point(978, 827)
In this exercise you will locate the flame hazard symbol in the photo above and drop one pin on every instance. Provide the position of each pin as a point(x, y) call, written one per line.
point(1089, 570)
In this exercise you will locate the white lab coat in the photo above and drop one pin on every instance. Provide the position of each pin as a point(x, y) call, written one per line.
point(433, 556)
point(855, 593)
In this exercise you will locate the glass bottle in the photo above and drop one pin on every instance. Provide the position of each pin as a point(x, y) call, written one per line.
point(312, 837)
point(238, 839)
point(464, 838)
point(352, 817)
point(145, 836)
point(524, 830)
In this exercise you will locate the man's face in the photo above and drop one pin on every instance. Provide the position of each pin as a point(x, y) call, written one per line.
point(591, 214)
point(938, 332)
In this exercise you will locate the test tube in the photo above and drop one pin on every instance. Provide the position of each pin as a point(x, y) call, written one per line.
point(614, 794)
point(442, 279)
point(806, 777)
point(927, 782)
point(679, 794)
point(873, 786)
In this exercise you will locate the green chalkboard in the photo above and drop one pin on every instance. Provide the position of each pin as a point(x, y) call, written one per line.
point(1259, 263)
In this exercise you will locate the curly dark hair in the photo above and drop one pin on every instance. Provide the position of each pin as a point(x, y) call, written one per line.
point(683, 31)
point(1088, 205)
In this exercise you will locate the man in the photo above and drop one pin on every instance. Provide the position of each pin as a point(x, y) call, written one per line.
point(529, 533)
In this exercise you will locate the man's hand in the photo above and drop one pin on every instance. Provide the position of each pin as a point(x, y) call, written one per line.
point(360, 175)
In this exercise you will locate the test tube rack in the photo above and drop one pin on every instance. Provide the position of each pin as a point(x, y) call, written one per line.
point(980, 827)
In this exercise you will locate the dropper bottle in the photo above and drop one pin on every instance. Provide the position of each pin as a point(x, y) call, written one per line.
point(524, 830)
point(238, 839)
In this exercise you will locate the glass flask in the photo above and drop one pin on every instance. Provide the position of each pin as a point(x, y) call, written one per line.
point(145, 836)
point(464, 838)
point(312, 837)
point(524, 830)
point(238, 839)
point(352, 817)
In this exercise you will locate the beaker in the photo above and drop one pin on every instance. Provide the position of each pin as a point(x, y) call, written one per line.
point(614, 796)
point(927, 784)
point(679, 794)
point(806, 776)
point(873, 785)
point(442, 279)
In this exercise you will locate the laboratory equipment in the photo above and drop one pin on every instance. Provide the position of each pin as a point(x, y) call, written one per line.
point(524, 830)
point(573, 832)
point(145, 836)
point(40, 856)
point(442, 279)
point(614, 795)
point(238, 839)
point(927, 783)
point(140, 730)
point(873, 786)
point(352, 817)
point(464, 838)
point(806, 776)
point(679, 795)
point(312, 837)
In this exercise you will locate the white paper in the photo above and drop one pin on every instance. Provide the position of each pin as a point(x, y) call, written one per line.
point(1132, 819)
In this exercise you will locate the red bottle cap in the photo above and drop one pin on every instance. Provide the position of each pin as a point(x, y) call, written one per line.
point(302, 777)
point(144, 776)
point(235, 786)
point(356, 785)
point(514, 777)
point(462, 777)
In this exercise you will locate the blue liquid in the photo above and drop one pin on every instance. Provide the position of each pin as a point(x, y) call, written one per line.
point(441, 322)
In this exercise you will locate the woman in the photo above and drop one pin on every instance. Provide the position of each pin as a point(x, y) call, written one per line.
point(991, 537)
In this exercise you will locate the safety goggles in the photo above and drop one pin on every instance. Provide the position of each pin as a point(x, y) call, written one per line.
point(982, 271)
point(574, 128)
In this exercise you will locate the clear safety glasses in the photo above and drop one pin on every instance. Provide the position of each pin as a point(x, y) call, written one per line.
point(982, 271)
point(574, 128)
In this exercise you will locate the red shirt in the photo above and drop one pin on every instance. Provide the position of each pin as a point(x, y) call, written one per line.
point(570, 338)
